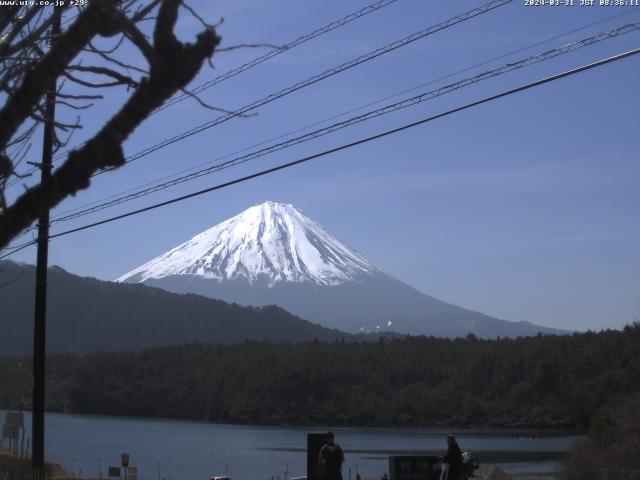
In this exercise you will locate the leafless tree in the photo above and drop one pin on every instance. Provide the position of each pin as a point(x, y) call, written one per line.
point(30, 60)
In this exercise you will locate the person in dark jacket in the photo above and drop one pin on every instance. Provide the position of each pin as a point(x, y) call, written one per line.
point(453, 458)
point(331, 458)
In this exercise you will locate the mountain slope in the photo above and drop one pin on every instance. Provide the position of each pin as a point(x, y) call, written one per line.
point(274, 254)
point(86, 315)
point(380, 304)
point(273, 242)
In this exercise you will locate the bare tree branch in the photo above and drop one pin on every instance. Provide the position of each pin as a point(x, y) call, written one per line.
point(139, 40)
point(5, 45)
point(196, 16)
point(123, 79)
point(29, 39)
point(7, 15)
point(79, 97)
point(36, 82)
point(104, 55)
point(172, 66)
point(112, 49)
point(74, 106)
point(248, 45)
point(143, 12)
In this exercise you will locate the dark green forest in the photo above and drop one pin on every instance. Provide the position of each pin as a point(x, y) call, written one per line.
point(610, 449)
point(542, 381)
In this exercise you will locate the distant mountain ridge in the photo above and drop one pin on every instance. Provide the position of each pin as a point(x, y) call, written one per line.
point(86, 315)
point(273, 254)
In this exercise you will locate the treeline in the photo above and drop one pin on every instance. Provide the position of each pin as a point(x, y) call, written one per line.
point(543, 381)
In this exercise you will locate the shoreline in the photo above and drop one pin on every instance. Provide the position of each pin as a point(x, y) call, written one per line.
point(489, 429)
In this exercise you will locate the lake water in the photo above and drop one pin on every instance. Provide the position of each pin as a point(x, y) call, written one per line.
point(180, 450)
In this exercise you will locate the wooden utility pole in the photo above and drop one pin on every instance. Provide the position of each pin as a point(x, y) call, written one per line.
point(40, 321)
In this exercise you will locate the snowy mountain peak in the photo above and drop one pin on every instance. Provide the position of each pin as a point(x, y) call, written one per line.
point(273, 241)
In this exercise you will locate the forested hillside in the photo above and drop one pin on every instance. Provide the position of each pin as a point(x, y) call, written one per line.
point(544, 381)
point(610, 449)
point(86, 315)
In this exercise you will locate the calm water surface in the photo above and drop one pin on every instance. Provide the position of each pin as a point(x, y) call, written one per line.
point(180, 450)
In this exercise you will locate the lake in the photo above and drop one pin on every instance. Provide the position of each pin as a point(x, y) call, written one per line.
point(181, 450)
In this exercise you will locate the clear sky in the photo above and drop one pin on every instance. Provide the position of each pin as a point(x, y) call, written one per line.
point(525, 208)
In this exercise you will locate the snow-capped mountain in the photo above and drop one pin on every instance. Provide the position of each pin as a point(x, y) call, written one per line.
point(273, 254)
point(272, 242)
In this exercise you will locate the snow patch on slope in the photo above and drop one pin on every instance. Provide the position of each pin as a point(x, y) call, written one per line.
point(271, 241)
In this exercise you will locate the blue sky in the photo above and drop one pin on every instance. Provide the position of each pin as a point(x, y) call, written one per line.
point(524, 208)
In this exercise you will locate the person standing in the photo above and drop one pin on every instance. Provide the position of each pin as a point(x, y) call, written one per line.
point(331, 458)
point(453, 458)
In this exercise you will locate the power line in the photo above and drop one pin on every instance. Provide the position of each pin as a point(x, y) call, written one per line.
point(267, 56)
point(358, 142)
point(374, 7)
point(322, 76)
point(333, 117)
point(415, 100)
point(18, 248)
point(386, 133)
point(606, 19)
point(328, 73)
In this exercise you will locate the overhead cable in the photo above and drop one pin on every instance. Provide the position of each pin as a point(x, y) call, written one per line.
point(409, 102)
point(322, 76)
point(273, 53)
point(353, 110)
point(371, 138)
point(374, 7)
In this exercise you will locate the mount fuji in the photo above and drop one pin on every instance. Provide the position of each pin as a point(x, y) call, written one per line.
point(273, 254)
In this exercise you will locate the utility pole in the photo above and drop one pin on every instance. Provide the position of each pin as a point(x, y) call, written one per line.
point(40, 321)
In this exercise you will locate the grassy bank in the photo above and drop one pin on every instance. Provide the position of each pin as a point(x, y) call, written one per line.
point(13, 467)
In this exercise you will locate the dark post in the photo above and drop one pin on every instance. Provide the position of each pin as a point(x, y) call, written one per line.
point(315, 441)
point(39, 332)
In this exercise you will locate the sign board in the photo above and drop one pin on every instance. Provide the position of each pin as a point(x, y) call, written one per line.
point(414, 467)
point(132, 473)
point(114, 472)
point(10, 431)
point(125, 459)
